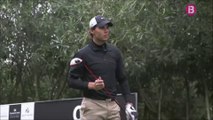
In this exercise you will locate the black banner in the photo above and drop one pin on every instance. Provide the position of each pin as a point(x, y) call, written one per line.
point(69, 109)
point(15, 112)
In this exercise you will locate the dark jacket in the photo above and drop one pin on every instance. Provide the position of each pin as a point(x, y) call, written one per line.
point(104, 61)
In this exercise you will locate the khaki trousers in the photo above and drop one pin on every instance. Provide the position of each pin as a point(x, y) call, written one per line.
point(99, 110)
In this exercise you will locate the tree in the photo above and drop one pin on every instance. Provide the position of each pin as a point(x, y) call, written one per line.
point(168, 55)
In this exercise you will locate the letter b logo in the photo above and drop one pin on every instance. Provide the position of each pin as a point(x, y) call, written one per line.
point(191, 9)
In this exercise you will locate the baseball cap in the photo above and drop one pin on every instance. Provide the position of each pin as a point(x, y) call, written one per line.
point(99, 21)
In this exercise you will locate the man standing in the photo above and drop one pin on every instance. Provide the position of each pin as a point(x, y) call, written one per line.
point(96, 69)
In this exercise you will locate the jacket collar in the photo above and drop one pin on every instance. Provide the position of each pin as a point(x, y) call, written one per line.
point(96, 47)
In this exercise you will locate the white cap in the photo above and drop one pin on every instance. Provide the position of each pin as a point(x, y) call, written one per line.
point(99, 21)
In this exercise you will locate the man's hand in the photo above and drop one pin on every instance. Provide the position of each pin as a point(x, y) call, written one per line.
point(131, 113)
point(97, 85)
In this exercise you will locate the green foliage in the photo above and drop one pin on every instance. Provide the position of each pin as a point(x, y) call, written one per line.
point(168, 55)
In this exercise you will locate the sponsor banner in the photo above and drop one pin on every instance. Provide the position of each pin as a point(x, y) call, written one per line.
point(27, 111)
point(4, 112)
point(69, 109)
point(19, 111)
point(15, 112)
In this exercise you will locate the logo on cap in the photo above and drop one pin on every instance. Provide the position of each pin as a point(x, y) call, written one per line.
point(99, 21)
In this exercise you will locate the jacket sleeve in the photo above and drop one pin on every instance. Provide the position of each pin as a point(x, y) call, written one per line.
point(76, 72)
point(123, 82)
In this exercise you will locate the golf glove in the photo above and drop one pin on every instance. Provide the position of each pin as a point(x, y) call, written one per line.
point(131, 113)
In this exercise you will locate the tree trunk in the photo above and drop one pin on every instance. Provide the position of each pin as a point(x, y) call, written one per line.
point(0, 91)
point(187, 98)
point(37, 87)
point(206, 100)
point(22, 84)
point(160, 100)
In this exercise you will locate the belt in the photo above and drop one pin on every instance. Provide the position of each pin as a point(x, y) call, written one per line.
point(103, 99)
point(109, 99)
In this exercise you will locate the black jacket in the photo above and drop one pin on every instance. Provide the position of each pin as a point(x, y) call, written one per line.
point(104, 61)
